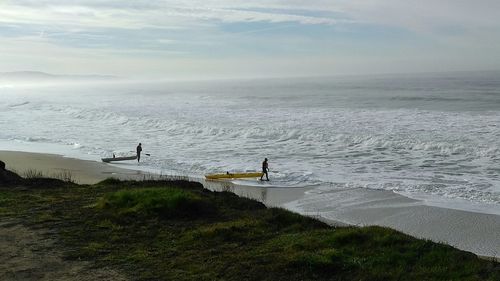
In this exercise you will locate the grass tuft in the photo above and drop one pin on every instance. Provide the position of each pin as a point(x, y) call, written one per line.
point(33, 174)
point(110, 181)
point(36, 178)
point(65, 176)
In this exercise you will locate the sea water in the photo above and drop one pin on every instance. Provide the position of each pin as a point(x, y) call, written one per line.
point(434, 137)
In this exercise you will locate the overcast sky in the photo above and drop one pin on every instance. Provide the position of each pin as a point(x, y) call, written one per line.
point(248, 38)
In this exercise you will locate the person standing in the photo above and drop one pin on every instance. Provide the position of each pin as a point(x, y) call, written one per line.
point(265, 170)
point(139, 150)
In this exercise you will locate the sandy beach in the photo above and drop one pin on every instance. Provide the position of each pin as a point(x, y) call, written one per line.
point(51, 165)
point(470, 231)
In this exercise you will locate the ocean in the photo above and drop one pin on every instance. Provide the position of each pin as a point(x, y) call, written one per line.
point(433, 137)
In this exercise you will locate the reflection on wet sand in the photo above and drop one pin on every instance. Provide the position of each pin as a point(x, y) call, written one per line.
point(269, 195)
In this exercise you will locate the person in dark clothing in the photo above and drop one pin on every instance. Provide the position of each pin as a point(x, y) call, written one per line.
point(139, 150)
point(265, 170)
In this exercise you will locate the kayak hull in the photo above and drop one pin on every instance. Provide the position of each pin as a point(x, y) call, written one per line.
point(107, 160)
point(233, 176)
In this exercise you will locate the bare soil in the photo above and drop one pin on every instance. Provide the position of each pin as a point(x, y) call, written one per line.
point(32, 254)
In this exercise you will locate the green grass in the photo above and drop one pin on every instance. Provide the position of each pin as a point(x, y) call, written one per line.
point(5, 199)
point(164, 202)
point(176, 230)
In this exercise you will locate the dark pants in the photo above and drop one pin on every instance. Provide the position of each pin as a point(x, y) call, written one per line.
point(264, 172)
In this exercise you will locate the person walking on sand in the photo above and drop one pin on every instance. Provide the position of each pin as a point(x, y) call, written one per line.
point(139, 150)
point(265, 170)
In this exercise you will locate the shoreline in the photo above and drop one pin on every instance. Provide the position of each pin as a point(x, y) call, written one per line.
point(466, 230)
point(52, 165)
point(92, 172)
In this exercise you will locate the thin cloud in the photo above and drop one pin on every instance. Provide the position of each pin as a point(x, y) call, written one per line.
point(414, 15)
point(165, 14)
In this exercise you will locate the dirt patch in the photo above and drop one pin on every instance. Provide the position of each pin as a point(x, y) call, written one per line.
point(31, 254)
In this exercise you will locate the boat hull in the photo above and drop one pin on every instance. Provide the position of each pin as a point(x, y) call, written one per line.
point(107, 160)
point(233, 176)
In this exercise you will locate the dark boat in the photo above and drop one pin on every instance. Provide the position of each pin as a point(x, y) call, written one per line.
point(107, 160)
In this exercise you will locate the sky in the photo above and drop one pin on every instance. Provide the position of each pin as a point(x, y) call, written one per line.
point(248, 38)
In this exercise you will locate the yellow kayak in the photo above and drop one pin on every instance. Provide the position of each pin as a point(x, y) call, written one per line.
point(233, 176)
